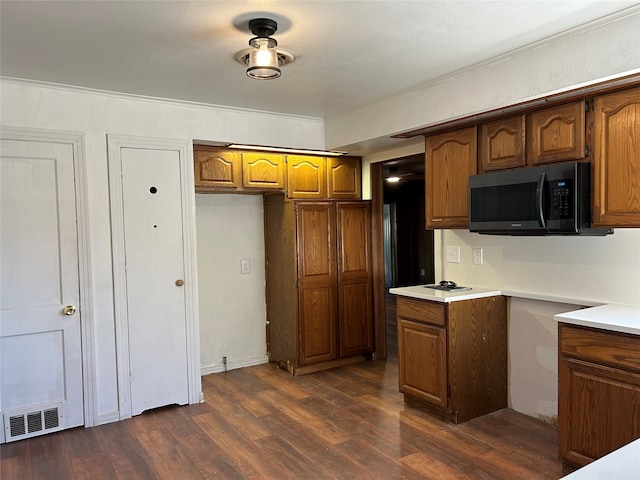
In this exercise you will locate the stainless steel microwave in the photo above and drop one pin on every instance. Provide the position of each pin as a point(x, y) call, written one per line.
point(549, 200)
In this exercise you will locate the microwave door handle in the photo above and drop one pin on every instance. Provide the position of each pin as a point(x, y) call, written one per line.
point(540, 198)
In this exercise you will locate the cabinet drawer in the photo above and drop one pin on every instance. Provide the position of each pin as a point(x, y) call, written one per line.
point(611, 348)
point(421, 310)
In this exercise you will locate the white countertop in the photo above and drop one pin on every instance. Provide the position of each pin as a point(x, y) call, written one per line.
point(621, 464)
point(619, 318)
point(424, 293)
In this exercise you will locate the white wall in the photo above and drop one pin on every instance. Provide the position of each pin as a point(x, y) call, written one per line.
point(232, 304)
point(585, 55)
point(97, 114)
point(587, 270)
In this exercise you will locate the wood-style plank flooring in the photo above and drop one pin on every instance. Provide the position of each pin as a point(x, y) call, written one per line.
point(261, 423)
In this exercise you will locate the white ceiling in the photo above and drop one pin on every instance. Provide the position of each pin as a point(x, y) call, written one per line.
point(348, 53)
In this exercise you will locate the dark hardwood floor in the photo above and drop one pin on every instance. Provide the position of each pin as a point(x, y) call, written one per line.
point(259, 422)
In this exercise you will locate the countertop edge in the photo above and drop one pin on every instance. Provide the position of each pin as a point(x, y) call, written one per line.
point(422, 293)
point(623, 463)
point(612, 317)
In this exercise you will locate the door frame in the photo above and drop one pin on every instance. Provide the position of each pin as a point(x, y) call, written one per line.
point(87, 335)
point(377, 254)
point(184, 148)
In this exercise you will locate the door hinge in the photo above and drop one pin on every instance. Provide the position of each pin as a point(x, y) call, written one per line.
point(586, 150)
point(586, 106)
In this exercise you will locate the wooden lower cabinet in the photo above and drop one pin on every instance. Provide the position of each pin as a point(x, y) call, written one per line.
point(319, 283)
point(598, 392)
point(452, 357)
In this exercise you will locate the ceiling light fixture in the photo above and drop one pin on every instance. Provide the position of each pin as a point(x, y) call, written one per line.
point(393, 175)
point(262, 57)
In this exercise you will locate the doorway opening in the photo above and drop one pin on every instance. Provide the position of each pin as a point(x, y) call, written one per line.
point(408, 246)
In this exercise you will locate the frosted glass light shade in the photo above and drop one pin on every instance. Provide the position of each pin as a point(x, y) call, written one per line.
point(263, 58)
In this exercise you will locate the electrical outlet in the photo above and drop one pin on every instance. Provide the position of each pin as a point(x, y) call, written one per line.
point(245, 266)
point(453, 254)
point(478, 256)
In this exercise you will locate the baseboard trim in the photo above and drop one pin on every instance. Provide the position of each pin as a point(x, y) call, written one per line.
point(232, 365)
point(109, 417)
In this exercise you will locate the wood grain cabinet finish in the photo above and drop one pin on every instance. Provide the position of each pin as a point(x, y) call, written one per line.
point(616, 160)
point(556, 134)
point(216, 169)
point(344, 178)
point(450, 158)
point(598, 392)
point(502, 144)
point(263, 171)
point(453, 356)
point(319, 290)
point(306, 177)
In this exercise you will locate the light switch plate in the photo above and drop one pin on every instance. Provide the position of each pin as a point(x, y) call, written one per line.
point(245, 266)
point(453, 254)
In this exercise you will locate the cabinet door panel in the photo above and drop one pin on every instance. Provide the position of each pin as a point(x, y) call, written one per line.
point(450, 158)
point(263, 171)
point(317, 282)
point(306, 177)
point(317, 325)
point(598, 410)
point(344, 177)
point(422, 361)
point(616, 160)
point(215, 168)
point(502, 144)
point(316, 240)
point(354, 277)
point(356, 332)
point(556, 134)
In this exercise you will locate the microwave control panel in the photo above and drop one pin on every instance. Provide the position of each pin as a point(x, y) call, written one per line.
point(561, 199)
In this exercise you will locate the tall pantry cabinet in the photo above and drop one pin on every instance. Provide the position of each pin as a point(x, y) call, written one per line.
point(319, 285)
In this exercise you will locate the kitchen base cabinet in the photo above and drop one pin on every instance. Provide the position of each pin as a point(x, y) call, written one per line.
point(452, 357)
point(598, 392)
point(318, 276)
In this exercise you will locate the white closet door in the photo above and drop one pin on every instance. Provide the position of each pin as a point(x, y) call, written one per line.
point(154, 253)
point(40, 344)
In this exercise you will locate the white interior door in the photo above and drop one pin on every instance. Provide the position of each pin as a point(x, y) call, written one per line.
point(40, 345)
point(152, 217)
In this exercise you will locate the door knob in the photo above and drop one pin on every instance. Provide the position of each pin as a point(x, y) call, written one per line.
point(179, 283)
point(69, 310)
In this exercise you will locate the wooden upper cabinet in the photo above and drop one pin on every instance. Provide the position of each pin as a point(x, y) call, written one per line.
point(306, 177)
point(556, 134)
point(344, 177)
point(502, 144)
point(616, 160)
point(263, 171)
point(216, 169)
point(450, 158)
